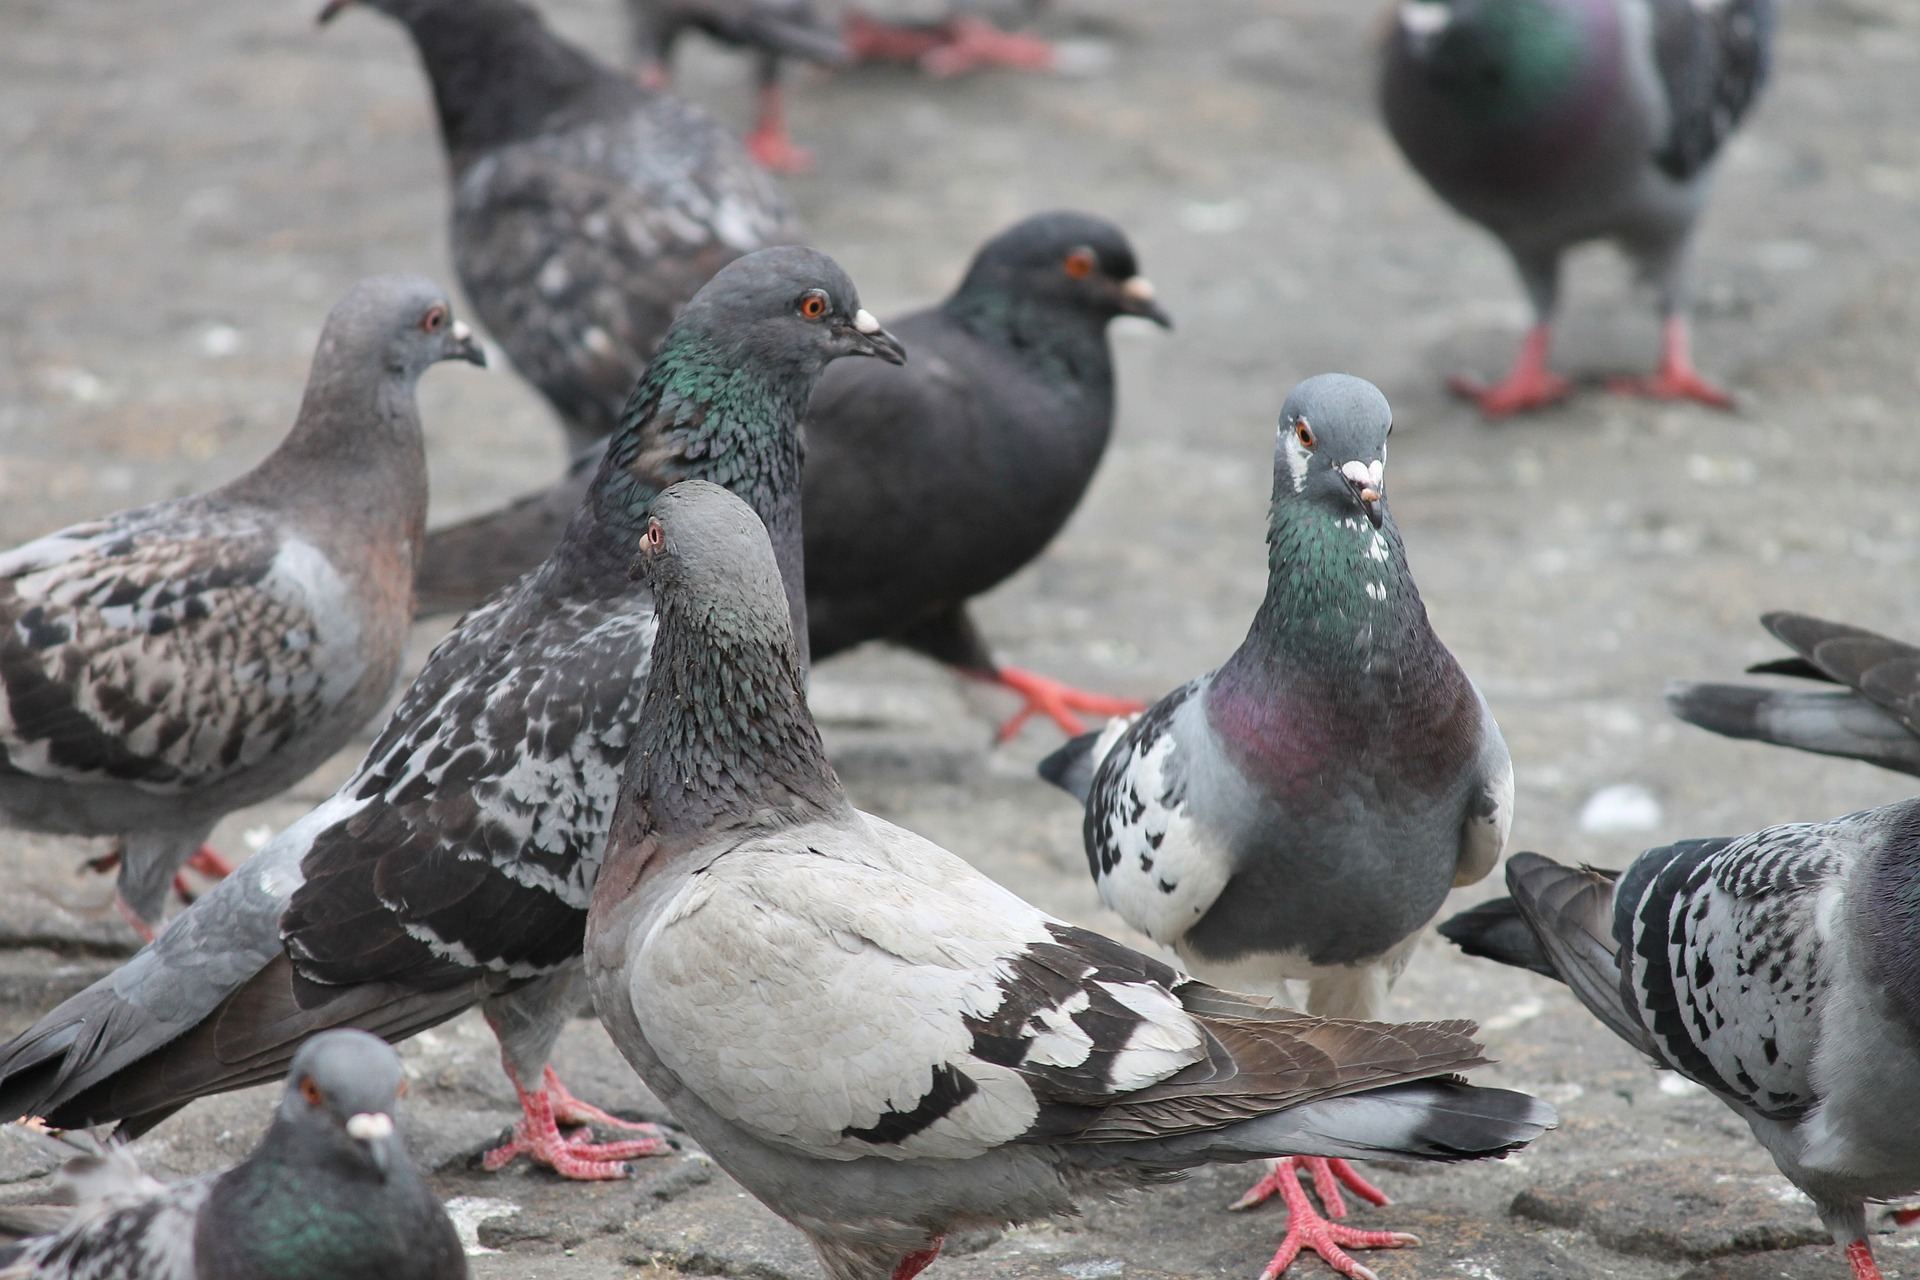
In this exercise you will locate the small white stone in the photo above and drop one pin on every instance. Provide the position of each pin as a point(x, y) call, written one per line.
point(217, 341)
point(1623, 807)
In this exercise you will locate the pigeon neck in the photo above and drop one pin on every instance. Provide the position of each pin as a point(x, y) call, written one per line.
point(288, 1210)
point(498, 73)
point(1068, 344)
point(724, 738)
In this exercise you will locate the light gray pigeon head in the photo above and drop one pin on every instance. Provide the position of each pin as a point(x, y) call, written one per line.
point(705, 548)
point(1332, 446)
point(405, 323)
point(786, 307)
point(340, 1097)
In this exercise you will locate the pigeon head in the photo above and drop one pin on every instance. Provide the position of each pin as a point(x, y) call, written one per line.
point(705, 549)
point(1074, 261)
point(340, 1097)
point(404, 322)
point(1498, 60)
point(785, 310)
point(1332, 447)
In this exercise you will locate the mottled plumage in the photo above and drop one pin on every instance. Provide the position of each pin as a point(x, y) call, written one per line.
point(330, 1192)
point(454, 867)
point(1780, 969)
point(1554, 122)
point(1875, 717)
point(165, 666)
point(586, 209)
point(881, 1043)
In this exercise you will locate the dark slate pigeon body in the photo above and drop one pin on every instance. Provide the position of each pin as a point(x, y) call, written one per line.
point(165, 666)
point(454, 868)
point(1781, 970)
point(1556, 122)
point(881, 1043)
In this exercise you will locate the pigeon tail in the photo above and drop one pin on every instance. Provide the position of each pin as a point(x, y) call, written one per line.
point(1071, 768)
point(1826, 722)
point(1570, 910)
point(1497, 931)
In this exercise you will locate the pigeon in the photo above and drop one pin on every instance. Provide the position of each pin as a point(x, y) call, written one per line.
point(773, 29)
point(1780, 970)
point(881, 1043)
point(455, 866)
point(1874, 717)
point(955, 38)
point(586, 209)
point(1301, 811)
point(329, 1192)
point(1555, 122)
point(167, 665)
point(929, 484)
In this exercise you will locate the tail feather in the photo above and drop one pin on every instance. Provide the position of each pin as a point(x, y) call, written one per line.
point(1071, 767)
point(1570, 910)
point(1825, 721)
point(1497, 931)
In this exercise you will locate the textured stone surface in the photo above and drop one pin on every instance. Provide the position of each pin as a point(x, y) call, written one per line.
point(1678, 1210)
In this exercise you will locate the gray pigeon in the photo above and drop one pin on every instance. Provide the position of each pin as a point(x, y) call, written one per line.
point(1301, 811)
point(167, 665)
point(586, 209)
point(454, 867)
point(881, 1043)
point(1555, 122)
point(1874, 715)
point(329, 1192)
point(928, 484)
point(773, 29)
point(1781, 970)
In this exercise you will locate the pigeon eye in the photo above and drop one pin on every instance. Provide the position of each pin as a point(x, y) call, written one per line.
point(814, 303)
point(655, 536)
point(1304, 433)
point(435, 320)
point(1080, 263)
point(311, 1091)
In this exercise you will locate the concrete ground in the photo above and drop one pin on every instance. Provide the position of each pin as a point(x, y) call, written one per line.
point(185, 187)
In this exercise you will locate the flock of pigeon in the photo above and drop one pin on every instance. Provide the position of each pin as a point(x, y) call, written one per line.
point(606, 781)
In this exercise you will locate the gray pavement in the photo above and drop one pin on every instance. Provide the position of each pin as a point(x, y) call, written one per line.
point(186, 185)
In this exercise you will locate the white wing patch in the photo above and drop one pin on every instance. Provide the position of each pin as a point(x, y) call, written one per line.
point(1157, 868)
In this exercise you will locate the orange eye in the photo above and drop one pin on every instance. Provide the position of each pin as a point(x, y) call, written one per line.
point(311, 1091)
point(814, 304)
point(1081, 263)
point(435, 319)
point(655, 535)
point(1303, 433)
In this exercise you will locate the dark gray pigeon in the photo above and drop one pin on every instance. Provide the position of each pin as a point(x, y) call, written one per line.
point(773, 29)
point(1555, 122)
point(586, 209)
point(1301, 811)
point(165, 666)
point(330, 1192)
point(1781, 970)
point(881, 1043)
point(928, 484)
point(1874, 714)
point(454, 867)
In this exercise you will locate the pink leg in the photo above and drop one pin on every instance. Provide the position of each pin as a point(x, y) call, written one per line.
point(209, 863)
point(653, 76)
point(870, 40)
point(1056, 701)
point(132, 917)
point(948, 49)
point(568, 1109)
point(1328, 1175)
point(914, 1263)
point(1860, 1261)
point(1529, 385)
point(537, 1136)
point(1307, 1229)
point(1677, 379)
point(769, 143)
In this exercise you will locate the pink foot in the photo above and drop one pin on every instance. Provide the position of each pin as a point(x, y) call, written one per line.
point(1905, 1217)
point(209, 863)
point(1307, 1229)
point(537, 1136)
point(133, 919)
point(1677, 379)
point(1056, 701)
point(974, 45)
point(1860, 1261)
point(914, 1263)
point(1530, 384)
point(870, 40)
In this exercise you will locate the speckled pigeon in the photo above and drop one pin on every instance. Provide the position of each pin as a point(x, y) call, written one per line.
point(454, 867)
point(165, 666)
point(1300, 812)
point(773, 29)
point(1555, 122)
point(329, 1192)
point(927, 484)
point(1780, 969)
point(586, 209)
point(1875, 717)
point(881, 1043)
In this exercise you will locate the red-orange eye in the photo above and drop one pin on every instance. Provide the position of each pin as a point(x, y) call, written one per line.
point(1303, 433)
point(1081, 263)
point(655, 535)
point(435, 319)
point(814, 304)
point(311, 1091)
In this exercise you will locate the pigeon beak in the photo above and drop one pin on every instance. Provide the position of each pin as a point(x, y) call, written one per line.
point(1137, 299)
point(1422, 22)
point(372, 1132)
point(332, 11)
point(466, 346)
point(869, 339)
point(1367, 481)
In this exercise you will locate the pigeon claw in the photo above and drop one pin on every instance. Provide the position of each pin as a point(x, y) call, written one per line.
point(1328, 1177)
point(1677, 379)
point(537, 1136)
point(1307, 1229)
point(1530, 384)
point(914, 1263)
point(1056, 701)
point(775, 152)
point(209, 863)
point(1860, 1261)
point(945, 49)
